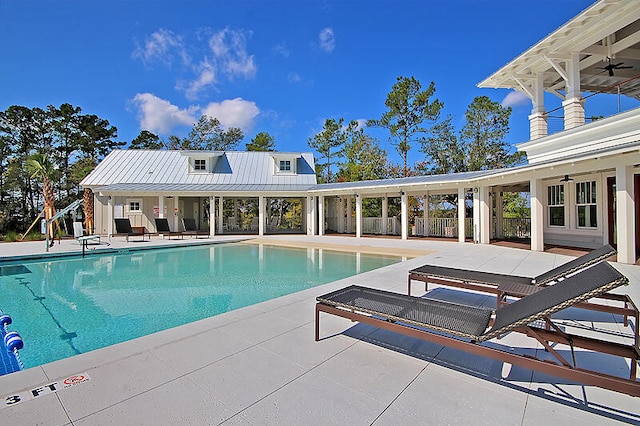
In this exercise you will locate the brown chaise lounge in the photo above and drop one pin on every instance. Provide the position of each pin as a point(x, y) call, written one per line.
point(465, 328)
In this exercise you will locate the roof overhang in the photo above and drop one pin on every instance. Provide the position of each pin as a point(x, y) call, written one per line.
point(607, 29)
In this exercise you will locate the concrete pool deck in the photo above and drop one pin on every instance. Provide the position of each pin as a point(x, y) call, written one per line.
point(261, 365)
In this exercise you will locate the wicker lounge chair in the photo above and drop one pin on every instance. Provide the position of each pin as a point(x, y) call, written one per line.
point(190, 228)
point(463, 327)
point(123, 227)
point(162, 227)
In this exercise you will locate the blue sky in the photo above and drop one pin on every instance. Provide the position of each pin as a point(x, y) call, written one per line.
point(277, 66)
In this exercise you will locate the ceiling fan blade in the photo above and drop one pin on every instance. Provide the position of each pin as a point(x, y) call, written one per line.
point(617, 65)
point(625, 67)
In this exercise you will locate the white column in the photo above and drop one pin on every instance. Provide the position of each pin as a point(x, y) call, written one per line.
point(310, 216)
point(425, 205)
point(176, 215)
point(220, 215)
point(404, 215)
point(538, 119)
point(349, 215)
point(212, 216)
point(537, 214)
point(358, 216)
point(261, 215)
point(476, 215)
point(340, 215)
point(161, 206)
point(321, 215)
point(499, 213)
point(573, 104)
point(625, 215)
point(109, 216)
point(485, 215)
point(385, 215)
point(462, 210)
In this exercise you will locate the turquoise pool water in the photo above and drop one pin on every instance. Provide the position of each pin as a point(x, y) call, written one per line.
point(65, 307)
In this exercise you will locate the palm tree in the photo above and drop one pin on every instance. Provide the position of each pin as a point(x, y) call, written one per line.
point(87, 206)
point(39, 166)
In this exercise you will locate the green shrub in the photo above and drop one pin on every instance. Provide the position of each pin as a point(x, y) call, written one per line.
point(34, 236)
point(11, 236)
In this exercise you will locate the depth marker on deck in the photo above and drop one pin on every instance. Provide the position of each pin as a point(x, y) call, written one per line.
point(47, 389)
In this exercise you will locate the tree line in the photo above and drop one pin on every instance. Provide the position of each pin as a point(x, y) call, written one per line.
point(412, 117)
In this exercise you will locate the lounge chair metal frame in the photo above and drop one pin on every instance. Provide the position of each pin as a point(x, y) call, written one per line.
point(466, 327)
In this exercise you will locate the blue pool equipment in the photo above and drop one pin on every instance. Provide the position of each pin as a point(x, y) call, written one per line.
point(10, 361)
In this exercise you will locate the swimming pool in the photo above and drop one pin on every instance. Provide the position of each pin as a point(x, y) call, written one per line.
point(69, 306)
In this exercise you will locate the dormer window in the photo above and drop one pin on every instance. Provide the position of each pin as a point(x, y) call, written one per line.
point(285, 165)
point(200, 165)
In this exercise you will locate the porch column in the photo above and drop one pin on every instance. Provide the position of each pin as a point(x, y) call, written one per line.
point(109, 216)
point(321, 215)
point(537, 214)
point(573, 104)
point(349, 215)
point(625, 215)
point(261, 215)
point(340, 215)
point(220, 215)
point(425, 206)
point(310, 215)
point(385, 215)
point(161, 206)
point(358, 216)
point(538, 126)
point(462, 212)
point(176, 213)
point(212, 216)
point(404, 214)
point(476, 215)
point(485, 215)
point(499, 213)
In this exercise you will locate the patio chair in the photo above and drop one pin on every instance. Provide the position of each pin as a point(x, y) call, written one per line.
point(162, 227)
point(232, 224)
point(190, 228)
point(78, 234)
point(465, 328)
point(123, 227)
point(504, 285)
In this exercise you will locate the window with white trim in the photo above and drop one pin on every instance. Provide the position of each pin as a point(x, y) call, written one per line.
point(285, 165)
point(134, 206)
point(555, 204)
point(199, 165)
point(586, 204)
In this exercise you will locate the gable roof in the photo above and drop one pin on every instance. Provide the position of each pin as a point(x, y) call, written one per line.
point(159, 170)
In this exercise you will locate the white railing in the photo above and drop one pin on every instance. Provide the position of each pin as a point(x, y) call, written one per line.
point(514, 227)
point(443, 227)
point(373, 225)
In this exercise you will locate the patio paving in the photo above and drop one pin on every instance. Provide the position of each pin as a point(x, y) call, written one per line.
point(260, 365)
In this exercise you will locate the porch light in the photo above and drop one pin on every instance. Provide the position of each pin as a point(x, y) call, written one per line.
point(566, 179)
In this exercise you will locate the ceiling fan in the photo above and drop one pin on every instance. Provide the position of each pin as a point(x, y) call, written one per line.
point(610, 67)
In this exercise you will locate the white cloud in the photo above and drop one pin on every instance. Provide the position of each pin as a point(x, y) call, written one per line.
point(327, 40)
point(229, 50)
point(281, 49)
point(162, 46)
point(206, 77)
point(515, 98)
point(294, 77)
point(233, 113)
point(161, 116)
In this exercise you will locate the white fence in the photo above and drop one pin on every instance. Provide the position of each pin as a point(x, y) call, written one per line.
point(373, 225)
point(515, 227)
point(443, 227)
